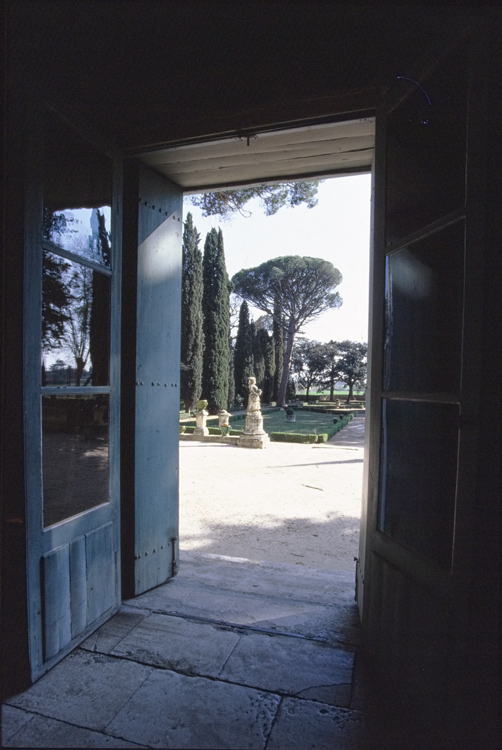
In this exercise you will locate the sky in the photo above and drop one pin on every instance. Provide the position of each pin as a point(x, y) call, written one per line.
point(337, 229)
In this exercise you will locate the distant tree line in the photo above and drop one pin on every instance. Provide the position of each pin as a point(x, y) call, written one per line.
point(323, 365)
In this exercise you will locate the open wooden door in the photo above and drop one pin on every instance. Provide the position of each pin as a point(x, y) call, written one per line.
point(151, 325)
point(426, 309)
point(71, 386)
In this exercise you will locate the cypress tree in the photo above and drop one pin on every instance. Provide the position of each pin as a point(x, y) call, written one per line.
point(258, 356)
point(216, 325)
point(231, 374)
point(269, 357)
point(192, 337)
point(243, 362)
point(278, 334)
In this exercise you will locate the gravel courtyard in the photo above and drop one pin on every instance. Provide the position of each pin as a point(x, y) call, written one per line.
point(288, 503)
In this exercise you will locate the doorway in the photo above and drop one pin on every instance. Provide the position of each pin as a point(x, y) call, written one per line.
point(295, 509)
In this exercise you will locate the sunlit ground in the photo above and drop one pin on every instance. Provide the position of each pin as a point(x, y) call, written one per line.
point(288, 503)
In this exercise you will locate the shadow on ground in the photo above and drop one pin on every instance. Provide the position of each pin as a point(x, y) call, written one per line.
point(273, 540)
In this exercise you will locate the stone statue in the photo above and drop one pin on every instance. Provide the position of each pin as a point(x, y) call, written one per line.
point(254, 396)
point(254, 436)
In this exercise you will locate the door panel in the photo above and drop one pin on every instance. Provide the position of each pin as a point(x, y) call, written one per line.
point(57, 625)
point(423, 313)
point(151, 399)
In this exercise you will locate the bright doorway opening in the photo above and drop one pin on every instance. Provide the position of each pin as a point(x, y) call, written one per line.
point(296, 504)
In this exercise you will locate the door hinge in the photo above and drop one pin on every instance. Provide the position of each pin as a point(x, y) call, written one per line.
point(174, 565)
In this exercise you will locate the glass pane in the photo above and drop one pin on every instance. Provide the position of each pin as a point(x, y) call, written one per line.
point(75, 455)
point(75, 323)
point(418, 476)
point(426, 150)
point(423, 314)
point(77, 193)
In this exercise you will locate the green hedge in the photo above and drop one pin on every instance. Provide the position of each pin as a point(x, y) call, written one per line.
point(232, 418)
point(237, 417)
point(292, 437)
point(287, 437)
point(189, 430)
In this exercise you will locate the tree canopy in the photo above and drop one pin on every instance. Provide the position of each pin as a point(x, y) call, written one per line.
point(308, 363)
point(226, 203)
point(302, 288)
point(326, 364)
point(351, 365)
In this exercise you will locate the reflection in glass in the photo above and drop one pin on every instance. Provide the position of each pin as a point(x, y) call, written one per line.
point(423, 314)
point(77, 192)
point(418, 476)
point(75, 440)
point(82, 231)
point(75, 323)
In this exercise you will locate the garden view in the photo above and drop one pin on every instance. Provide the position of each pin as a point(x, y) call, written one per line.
point(278, 504)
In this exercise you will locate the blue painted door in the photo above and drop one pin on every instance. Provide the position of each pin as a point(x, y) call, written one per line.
point(150, 386)
point(72, 378)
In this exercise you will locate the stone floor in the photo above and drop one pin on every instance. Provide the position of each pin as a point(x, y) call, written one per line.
point(229, 654)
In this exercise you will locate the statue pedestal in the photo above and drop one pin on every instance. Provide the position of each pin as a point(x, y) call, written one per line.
point(254, 436)
point(200, 419)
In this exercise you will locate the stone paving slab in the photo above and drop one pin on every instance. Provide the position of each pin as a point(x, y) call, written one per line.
point(269, 579)
point(13, 719)
point(173, 710)
point(181, 645)
point(333, 624)
point(84, 689)
point(306, 725)
point(291, 665)
point(113, 631)
point(42, 732)
point(282, 599)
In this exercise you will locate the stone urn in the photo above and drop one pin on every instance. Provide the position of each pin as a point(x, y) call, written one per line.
point(290, 415)
point(200, 419)
point(223, 421)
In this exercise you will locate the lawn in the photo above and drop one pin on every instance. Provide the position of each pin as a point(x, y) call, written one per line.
point(307, 423)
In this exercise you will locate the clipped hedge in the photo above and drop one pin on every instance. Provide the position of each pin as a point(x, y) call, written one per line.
point(266, 410)
point(189, 430)
point(286, 437)
point(232, 418)
point(292, 437)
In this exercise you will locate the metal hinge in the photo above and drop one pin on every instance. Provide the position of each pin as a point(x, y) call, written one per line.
point(174, 566)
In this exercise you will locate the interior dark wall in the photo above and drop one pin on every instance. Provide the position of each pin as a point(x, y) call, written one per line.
point(14, 657)
point(151, 71)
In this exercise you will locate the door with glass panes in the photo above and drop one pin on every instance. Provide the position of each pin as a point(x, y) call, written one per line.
point(428, 255)
point(71, 386)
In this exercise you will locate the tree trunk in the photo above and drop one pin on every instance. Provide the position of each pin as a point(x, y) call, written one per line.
point(351, 391)
point(79, 370)
point(332, 390)
point(288, 355)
